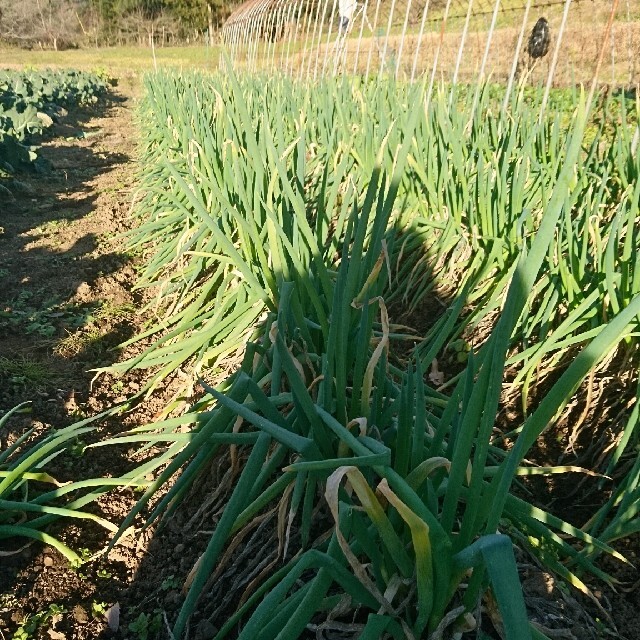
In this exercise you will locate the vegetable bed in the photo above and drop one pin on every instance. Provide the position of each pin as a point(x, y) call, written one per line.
point(383, 302)
point(30, 101)
point(295, 216)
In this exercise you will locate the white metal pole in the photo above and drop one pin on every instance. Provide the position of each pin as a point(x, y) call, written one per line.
point(359, 39)
point(329, 31)
point(556, 53)
point(292, 25)
point(402, 38)
point(312, 4)
point(419, 43)
point(516, 57)
point(319, 46)
point(462, 43)
point(374, 37)
point(383, 58)
point(443, 26)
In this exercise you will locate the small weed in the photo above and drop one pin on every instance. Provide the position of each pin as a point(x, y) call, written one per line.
point(99, 609)
point(45, 330)
point(117, 387)
point(77, 450)
point(85, 554)
point(110, 311)
point(47, 319)
point(461, 348)
point(32, 623)
point(23, 298)
point(8, 602)
point(23, 371)
point(89, 338)
point(52, 226)
point(146, 625)
point(103, 573)
point(169, 583)
point(77, 342)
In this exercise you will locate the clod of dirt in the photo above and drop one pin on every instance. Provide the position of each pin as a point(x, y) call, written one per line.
point(113, 617)
point(206, 631)
point(80, 614)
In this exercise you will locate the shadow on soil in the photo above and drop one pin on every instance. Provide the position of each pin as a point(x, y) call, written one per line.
point(65, 303)
point(52, 263)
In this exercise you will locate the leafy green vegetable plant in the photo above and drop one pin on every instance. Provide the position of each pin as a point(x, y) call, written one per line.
point(29, 100)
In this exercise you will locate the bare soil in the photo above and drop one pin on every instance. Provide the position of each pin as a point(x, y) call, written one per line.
point(66, 303)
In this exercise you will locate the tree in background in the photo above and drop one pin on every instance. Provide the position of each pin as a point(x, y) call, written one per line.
point(44, 23)
point(199, 14)
point(190, 16)
point(112, 9)
point(114, 15)
point(52, 23)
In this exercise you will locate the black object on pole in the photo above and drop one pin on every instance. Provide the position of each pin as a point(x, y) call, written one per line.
point(539, 40)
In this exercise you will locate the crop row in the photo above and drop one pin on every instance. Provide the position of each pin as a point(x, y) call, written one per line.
point(31, 100)
point(293, 216)
point(296, 236)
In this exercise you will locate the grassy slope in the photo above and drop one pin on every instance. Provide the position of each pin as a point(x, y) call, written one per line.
point(583, 36)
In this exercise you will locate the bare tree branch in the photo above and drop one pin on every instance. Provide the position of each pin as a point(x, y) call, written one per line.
point(44, 22)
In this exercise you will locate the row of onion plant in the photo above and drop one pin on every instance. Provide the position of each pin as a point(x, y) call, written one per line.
point(278, 221)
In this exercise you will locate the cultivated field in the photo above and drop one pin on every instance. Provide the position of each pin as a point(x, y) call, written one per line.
point(364, 359)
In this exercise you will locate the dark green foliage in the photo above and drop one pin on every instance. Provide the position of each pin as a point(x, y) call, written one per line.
point(31, 100)
point(192, 14)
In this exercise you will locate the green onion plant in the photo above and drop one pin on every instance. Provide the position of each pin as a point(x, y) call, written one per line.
point(283, 225)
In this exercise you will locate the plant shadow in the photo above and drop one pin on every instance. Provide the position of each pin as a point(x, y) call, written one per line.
point(170, 554)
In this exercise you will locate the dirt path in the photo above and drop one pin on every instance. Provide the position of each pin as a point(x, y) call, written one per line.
point(64, 281)
point(65, 302)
